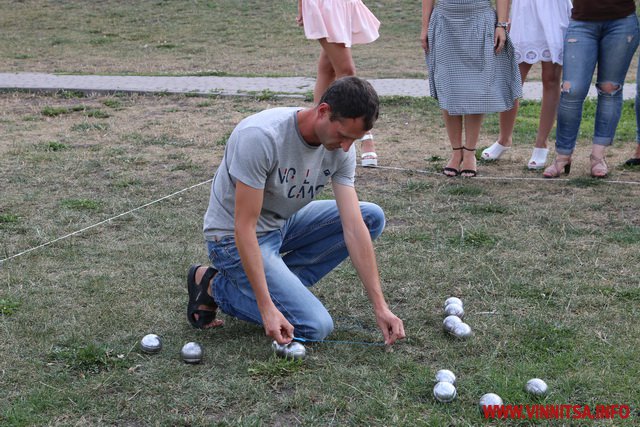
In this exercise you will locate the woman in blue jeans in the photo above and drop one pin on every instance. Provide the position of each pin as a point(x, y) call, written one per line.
point(602, 32)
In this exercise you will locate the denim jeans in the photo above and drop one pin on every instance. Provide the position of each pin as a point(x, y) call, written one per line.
point(610, 44)
point(309, 246)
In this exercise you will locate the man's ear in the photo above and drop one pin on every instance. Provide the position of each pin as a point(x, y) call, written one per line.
point(323, 108)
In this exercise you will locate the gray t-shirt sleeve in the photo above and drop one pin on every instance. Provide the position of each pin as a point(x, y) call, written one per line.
point(346, 172)
point(252, 158)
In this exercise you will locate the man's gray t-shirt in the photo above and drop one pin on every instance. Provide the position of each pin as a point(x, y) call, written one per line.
point(266, 151)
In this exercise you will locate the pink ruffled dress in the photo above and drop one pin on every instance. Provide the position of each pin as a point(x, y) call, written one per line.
point(339, 21)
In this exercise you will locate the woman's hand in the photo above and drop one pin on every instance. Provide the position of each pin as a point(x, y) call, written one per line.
point(423, 39)
point(499, 39)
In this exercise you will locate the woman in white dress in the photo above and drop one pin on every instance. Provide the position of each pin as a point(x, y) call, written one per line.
point(537, 31)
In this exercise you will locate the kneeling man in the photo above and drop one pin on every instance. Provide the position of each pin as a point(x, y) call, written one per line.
point(269, 237)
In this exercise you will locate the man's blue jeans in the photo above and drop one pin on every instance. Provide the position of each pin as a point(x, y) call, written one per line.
point(309, 246)
point(610, 44)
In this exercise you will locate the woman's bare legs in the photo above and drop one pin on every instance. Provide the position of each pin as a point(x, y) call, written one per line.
point(336, 61)
point(472, 125)
point(508, 118)
point(551, 79)
point(507, 123)
point(453, 125)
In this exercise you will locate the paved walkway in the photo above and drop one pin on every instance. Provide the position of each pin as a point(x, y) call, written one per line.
point(295, 86)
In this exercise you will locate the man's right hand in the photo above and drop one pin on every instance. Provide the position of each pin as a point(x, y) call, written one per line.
point(277, 326)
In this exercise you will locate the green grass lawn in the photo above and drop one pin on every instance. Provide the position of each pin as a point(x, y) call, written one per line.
point(548, 272)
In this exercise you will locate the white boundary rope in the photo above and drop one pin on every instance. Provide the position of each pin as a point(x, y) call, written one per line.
point(393, 168)
point(103, 222)
point(502, 178)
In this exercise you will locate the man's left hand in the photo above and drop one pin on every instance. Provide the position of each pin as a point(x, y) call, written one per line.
point(391, 326)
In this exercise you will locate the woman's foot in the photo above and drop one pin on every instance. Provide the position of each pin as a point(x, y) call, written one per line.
point(599, 167)
point(469, 168)
point(369, 157)
point(453, 167)
point(560, 163)
point(538, 158)
point(495, 151)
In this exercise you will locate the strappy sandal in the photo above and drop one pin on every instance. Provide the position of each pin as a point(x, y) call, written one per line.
point(599, 167)
point(468, 173)
point(560, 163)
point(199, 296)
point(449, 171)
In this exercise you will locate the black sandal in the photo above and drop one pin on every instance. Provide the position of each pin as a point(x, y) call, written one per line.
point(468, 173)
point(451, 172)
point(198, 296)
point(632, 162)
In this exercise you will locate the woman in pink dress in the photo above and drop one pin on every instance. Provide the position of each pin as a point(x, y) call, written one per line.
point(337, 25)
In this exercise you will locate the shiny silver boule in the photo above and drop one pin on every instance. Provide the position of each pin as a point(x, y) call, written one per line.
point(454, 310)
point(490, 399)
point(278, 349)
point(536, 386)
point(294, 350)
point(151, 343)
point(462, 330)
point(444, 392)
point(450, 322)
point(191, 353)
point(445, 376)
point(453, 300)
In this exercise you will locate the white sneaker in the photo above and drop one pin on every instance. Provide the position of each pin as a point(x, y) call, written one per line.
point(494, 152)
point(538, 158)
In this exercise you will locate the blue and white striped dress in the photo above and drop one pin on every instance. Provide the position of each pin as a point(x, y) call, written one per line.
point(465, 74)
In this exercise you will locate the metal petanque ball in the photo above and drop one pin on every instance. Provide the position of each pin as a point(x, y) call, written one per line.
point(536, 386)
point(454, 310)
point(151, 343)
point(294, 350)
point(444, 392)
point(191, 353)
point(462, 330)
point(450, 322)
point(445, 376)
point(278, 349)
point(490, 399)
point(453, 300)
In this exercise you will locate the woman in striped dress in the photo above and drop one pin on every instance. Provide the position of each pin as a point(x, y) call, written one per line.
point(472, 70)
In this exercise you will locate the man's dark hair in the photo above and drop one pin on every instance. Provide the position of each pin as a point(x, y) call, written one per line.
point(350, 98)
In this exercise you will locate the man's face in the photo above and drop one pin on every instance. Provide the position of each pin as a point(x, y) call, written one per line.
point(339, 133)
